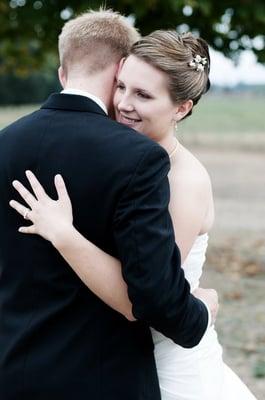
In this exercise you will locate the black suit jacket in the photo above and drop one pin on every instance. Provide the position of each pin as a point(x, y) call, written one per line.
point(57, 339)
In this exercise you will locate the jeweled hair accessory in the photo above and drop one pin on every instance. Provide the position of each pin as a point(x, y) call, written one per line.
point(198, 63)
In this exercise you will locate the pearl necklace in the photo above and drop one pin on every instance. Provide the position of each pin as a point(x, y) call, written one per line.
point(171, 154)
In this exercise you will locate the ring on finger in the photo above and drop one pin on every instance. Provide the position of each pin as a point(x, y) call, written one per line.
point(25, 215)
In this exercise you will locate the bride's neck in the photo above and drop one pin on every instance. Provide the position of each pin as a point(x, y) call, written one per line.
point(169, 143)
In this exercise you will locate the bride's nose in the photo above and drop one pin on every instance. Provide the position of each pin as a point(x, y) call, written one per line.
point(125, 104)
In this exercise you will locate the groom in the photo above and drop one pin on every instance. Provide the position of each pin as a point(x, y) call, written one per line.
point(57, 339)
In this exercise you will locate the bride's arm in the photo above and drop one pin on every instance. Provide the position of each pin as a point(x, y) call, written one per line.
point(99, 271)
point(53, 221)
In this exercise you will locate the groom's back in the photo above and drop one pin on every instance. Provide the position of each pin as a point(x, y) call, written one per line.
point(57, 339)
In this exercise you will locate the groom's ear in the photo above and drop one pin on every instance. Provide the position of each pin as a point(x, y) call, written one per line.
point(120, 66)
point(62, 76)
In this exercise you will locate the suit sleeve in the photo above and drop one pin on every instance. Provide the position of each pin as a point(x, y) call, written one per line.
point(144, 236)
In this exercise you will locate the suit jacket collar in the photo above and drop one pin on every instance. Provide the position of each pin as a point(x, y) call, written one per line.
point(91, 96)
point(72, 102)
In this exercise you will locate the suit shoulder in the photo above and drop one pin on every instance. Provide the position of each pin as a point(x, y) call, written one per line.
point(26, 119)
point(134, 141)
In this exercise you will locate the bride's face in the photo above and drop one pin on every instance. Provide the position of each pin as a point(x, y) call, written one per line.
point(142, 99)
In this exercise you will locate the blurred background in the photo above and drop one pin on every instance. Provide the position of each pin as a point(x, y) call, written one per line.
point(226, 132)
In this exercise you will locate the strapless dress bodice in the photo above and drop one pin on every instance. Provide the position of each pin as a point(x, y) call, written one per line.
point(192, 266)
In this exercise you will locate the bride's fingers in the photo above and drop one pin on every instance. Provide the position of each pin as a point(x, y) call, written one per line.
point(22, 210)
point(28, 229)
point(35, 184)
point(61, 188)
point(24, 193)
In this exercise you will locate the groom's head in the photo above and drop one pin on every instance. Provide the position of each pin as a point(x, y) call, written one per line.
point(93, 41)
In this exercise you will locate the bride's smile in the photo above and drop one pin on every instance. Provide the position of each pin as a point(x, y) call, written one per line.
point(128, 120)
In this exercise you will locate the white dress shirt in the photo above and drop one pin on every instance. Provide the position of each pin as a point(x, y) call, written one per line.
point(86, 94)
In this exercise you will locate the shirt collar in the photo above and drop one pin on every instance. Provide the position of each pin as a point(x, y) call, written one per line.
point(86, 94)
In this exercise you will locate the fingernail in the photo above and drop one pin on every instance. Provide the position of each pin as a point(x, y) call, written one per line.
point(14, 183)
point(11, 202)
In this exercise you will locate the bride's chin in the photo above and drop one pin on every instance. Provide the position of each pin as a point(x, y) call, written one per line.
point(135, 126)
point(140, 130)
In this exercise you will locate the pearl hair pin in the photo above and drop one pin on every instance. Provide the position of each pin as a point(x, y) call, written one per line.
point(198, 63)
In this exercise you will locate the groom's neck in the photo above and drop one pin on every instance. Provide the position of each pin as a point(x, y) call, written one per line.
point(100, 85)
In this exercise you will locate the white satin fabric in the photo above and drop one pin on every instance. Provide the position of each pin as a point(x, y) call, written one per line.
point(198, 373)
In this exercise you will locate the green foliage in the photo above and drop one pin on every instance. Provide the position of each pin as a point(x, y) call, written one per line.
point(259, 370)
point(29, 29)
point(30, 89)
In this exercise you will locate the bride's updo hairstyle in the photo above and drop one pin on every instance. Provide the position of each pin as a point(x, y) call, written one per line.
point(182, 57)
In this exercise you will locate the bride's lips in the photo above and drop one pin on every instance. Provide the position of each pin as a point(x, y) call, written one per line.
point(124, 119)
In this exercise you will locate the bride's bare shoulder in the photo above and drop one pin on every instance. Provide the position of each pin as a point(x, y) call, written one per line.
point(188, 171)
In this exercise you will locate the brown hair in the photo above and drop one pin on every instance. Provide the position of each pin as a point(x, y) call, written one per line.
point(96, 39)
point(174, 54)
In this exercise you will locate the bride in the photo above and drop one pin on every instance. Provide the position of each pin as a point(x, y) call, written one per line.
point(158, 85)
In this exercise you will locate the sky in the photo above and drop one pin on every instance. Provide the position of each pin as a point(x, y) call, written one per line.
point(225, 73)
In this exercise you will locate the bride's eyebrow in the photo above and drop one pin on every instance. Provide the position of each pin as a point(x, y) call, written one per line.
point(142, 90)
point(136, 89)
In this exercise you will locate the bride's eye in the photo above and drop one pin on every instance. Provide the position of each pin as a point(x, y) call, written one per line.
point(143, 95)
point(120, 86)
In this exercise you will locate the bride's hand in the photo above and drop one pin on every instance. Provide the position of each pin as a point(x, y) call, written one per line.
point(50, 218)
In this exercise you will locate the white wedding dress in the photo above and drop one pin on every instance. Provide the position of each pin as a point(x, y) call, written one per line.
point(198, 373)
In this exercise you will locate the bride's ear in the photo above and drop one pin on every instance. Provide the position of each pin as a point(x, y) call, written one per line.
point(62, 76)
point(183, 110)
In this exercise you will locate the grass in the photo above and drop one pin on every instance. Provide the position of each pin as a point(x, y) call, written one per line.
point(226, 114)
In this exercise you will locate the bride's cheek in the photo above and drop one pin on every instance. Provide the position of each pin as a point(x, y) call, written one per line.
point(116, 98)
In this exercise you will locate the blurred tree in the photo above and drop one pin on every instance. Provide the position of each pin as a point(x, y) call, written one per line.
point(33, 89)
point(29, 29)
